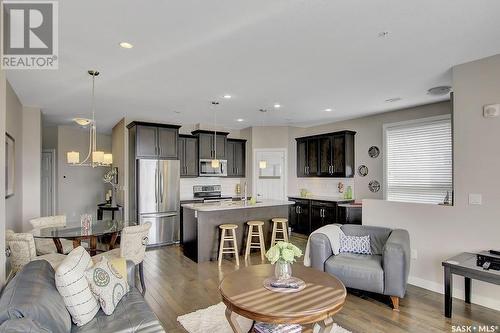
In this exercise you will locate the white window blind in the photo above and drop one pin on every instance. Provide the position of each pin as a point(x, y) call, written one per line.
point(418, 161)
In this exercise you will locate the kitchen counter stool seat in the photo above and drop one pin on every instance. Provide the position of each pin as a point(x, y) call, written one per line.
point(230, 237)
point(280, 225)
point(259, 233)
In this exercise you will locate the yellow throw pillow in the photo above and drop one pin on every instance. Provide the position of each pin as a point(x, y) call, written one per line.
point(120, 264)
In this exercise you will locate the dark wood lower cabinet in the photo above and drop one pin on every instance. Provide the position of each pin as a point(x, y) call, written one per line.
point(308, 215)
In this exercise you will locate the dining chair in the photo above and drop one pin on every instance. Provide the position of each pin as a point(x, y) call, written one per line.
point(132, 247)
point(47, 246)
point(21, 250)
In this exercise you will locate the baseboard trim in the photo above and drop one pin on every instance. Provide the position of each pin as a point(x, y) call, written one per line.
point(457, 293)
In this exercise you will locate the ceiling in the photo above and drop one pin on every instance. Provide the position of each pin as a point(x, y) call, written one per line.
point(307, 55)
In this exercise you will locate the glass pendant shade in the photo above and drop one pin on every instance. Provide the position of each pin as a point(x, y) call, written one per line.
point(108, 159)
point(262, 164)
point(98, 157)
point(215, 164)
point(73, 157)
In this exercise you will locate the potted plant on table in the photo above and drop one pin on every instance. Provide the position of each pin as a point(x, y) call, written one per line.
point(283, 255)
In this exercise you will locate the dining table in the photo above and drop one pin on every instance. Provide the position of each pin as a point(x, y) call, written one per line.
point(75, 232)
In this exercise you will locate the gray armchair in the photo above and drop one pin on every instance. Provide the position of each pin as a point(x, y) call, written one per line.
point(384, 272)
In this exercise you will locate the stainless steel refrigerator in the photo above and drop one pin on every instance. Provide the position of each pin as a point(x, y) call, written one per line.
point(158, 194)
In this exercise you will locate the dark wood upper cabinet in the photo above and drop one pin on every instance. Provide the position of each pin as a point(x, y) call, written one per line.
point(326, 155)
point(167, 142)
point(188, 156)
point(206, 144)
point(236, 157)
point(155, 140)
point(301, 158)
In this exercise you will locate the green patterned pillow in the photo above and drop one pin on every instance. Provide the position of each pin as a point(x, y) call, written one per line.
point(107, 284)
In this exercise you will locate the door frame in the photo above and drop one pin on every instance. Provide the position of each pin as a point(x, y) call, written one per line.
point(52, 152)
point(255, 168)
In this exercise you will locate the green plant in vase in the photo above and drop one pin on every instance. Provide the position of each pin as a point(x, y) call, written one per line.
point(283, 255)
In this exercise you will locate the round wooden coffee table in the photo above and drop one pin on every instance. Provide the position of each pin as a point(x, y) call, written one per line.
point(244, 294)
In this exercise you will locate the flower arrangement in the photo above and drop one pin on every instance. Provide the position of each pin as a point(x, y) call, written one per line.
point(283, 252)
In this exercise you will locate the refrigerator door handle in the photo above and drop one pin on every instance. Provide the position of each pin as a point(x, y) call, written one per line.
point(156, 185)
point(161, 187)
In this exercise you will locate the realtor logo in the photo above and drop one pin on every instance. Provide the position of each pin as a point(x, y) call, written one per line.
point(29, 34)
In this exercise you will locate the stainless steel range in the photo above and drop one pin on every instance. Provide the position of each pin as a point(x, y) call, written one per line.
point(209, 193)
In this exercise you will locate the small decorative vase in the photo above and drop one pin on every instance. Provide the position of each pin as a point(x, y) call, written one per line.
point(282, 270)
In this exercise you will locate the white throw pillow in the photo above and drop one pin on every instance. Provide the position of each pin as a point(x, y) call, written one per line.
point(74, 288)
point(107, 284)
point(355, 244)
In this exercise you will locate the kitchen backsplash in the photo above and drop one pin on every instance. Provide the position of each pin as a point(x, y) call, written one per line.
point(323, 186)
point(228, 185)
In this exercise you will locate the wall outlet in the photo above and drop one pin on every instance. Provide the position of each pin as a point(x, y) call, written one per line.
point(475, 199)
point(414, 254)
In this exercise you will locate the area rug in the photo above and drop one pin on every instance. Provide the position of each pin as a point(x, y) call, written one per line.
point(213, 320)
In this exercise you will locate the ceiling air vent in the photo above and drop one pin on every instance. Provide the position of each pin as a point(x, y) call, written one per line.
point(439, 91)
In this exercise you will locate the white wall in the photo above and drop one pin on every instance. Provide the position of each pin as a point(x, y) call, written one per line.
point(14, 126)
point(438, 232)
point(80, 189)
point(32, 165)
point(3, 111)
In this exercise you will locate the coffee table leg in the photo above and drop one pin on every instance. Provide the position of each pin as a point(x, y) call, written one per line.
point(231, 318)
point(112, 242)
point(58, 245)
point(448, 289)
point(93, 245)
point(326, 325)
point(76, 242)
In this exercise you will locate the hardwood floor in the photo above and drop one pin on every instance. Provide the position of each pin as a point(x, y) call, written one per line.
point(176, 286)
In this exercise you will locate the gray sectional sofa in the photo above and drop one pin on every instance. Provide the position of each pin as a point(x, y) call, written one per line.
point(30, 302)
point(384, 272)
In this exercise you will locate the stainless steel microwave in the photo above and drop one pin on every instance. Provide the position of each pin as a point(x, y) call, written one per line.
point(206, 169)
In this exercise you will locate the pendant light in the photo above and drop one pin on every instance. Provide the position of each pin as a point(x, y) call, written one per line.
point(94, 157)
point(215, 161)
point(263, 163)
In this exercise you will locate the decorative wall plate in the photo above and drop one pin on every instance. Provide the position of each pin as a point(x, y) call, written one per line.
point(362, 170)
point(374, 186)
point(373, 152)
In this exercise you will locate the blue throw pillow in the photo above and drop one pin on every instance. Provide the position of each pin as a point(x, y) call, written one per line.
point(355, 244)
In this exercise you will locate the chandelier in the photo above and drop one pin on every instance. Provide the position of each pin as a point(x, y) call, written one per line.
point(95, 158)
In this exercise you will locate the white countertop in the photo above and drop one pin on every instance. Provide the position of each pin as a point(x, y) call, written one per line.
point(229, 205)
point(320, 198)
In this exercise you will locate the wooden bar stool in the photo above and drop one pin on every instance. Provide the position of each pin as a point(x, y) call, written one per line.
point(251, 234)
point(229, 238)
point(279, 225)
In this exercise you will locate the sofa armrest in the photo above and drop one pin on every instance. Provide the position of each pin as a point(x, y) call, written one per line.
point(396, 263)
point(131, 273)
point(319, 250)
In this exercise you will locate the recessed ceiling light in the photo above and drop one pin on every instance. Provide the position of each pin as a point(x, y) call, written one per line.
point(392, 100)
point(82, 121)
point(227, 96)
point(240, 120)
point(126, 45)
point(277, 106)
point(328, 110)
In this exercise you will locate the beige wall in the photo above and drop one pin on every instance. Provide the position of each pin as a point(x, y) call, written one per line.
point(80, 189)
point(119, 144)
point(438, 232)
point(14, 126)
point(3, 111)
point(369, 132)
point(32, 164)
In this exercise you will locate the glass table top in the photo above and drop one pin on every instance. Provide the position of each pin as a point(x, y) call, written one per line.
point(73, 229)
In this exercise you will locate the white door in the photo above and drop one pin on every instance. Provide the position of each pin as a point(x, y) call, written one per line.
point(270, 182)
point(48, 177)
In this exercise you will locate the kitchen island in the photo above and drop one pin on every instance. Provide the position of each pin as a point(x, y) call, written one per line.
point(200, 224)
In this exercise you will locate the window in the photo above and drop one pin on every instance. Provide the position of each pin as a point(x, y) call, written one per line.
point(418, 161)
